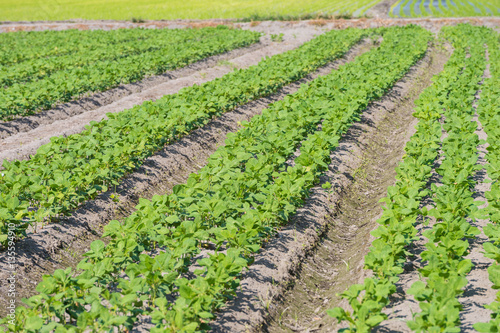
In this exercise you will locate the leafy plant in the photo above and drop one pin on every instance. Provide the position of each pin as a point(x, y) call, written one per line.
point(277, 37)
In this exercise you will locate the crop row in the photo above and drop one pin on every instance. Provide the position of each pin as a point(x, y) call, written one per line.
point(454, 207)
point(18, 47)
point(489, 115)
point(450, 95)
point(62, 86)
point(112, 48)
point(231, 206)
point(69, 170)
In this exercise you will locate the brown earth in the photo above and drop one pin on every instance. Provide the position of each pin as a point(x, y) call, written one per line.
point(381, 9)
point(377, 21)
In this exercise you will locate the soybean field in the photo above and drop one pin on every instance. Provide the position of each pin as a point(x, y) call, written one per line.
point(278, 176)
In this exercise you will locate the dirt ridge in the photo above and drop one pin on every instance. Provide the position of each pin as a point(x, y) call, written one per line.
point(431, 23)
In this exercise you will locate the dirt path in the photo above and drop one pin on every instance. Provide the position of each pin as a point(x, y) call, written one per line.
point(62, 244)
point(363, 166)
point(378, 12)
point(478, 291)
point(381, 9)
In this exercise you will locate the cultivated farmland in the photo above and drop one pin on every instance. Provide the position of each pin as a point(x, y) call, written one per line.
point(317, 175)
point(443, 8)
point(33, 10)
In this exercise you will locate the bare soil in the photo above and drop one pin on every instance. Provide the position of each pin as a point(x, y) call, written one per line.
point(379, 19)
point(80, 24)
point(61, 245)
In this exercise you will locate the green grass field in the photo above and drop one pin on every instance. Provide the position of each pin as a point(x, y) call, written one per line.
point(36, 10)
point(445, 8)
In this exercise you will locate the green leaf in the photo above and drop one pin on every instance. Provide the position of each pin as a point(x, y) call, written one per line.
point(326, 185)
point(33, 323)
point(494, 275)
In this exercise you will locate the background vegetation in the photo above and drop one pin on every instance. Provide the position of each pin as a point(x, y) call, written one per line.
point(37, 10)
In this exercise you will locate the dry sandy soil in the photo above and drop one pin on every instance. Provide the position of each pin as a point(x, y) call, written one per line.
point(296, 277)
